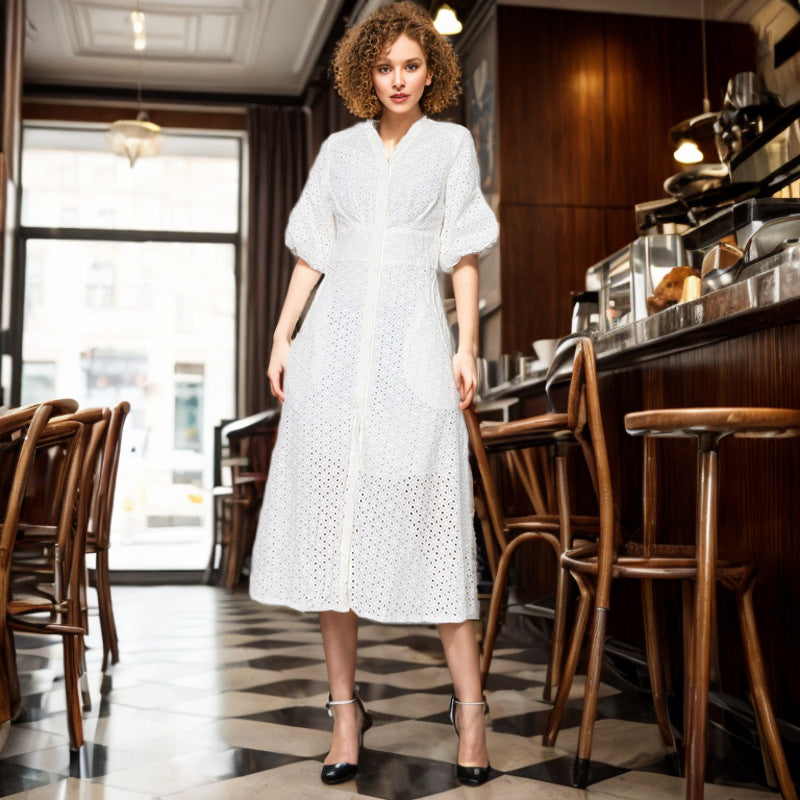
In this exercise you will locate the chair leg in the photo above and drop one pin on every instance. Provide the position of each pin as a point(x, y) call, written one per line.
point(496, 603)
point(655, 667)
point(493, 616)
point(208, 574)
point(71, 667)
point(580, 771)
point(108, 626)
point(486, 534)
point(687, 609)
point(559, 636)
point(571, 663)
point(765, 716)
point(11, 675)
point(233, 561)
point(86, 696)
point(104, 633)
point(699, 675)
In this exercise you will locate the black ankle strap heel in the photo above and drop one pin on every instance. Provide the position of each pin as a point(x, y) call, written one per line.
point(469, 776)
point(343, 771)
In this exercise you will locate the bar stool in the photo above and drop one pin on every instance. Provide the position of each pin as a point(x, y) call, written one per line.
point(709, 426)
point(594, 567)
point(502, 535)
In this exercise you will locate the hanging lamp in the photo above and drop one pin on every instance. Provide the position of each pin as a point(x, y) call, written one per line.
point(136, 137)
point(690, 132)
point(446, 21)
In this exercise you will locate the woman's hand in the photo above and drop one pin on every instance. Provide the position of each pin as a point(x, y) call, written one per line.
point(466, 375)
point(278, 359)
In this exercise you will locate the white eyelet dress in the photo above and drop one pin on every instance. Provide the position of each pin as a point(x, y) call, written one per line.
point(368, 505)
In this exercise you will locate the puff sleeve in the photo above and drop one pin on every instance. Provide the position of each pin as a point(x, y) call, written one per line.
point(469, 224)
point(311, 231)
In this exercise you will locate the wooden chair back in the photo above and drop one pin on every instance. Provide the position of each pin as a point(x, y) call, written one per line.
point(67, 448)
point(20, 431)
point(105, 481)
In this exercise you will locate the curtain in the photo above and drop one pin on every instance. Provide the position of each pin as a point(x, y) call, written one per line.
point(279, 160)
point(328, 114)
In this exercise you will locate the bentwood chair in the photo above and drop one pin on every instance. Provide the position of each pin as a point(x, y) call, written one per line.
point(250, 442)
point(53, 605)
point(98, 534)
point(596, 566)
point(503, 536)
point(20, 430)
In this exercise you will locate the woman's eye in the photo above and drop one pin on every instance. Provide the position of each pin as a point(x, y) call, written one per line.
point(412, 67)
point(383, 70)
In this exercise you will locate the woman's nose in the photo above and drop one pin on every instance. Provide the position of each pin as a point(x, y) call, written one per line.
point(399, 80)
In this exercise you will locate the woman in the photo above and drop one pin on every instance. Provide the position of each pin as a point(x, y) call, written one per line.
point(368, 508)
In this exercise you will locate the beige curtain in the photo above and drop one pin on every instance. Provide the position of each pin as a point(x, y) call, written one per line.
point(279, 160)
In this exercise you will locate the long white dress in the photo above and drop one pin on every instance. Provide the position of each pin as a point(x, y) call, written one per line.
point(368, 505)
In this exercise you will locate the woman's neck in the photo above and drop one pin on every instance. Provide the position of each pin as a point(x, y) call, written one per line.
point(393, 127)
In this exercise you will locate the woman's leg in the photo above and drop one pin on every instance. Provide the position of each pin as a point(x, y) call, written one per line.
point(340, 641)
point(463, 661)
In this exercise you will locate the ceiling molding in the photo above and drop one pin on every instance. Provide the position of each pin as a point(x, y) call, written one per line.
point(240, 46)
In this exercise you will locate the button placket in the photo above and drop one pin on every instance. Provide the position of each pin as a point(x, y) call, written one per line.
point(362, 382)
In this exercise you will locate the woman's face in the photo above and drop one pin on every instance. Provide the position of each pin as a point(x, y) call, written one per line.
point(400, 76)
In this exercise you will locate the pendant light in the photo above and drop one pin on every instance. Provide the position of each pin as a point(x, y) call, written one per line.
point(686, 134)
point(446, 21)
point(135, 137)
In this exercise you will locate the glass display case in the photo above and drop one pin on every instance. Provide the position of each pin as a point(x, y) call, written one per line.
point(627, 277)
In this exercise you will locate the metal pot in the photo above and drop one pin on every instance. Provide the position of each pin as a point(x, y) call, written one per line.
point(771, 237)
point(585, 312)
point(700, 178)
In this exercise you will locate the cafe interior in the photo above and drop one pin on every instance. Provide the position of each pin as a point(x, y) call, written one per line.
point(634, 439)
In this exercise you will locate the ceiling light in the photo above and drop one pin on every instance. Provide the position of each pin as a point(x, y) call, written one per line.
point(690, 132)
point(446, 21)
point(139, 34)
point(688, 152)
point(134, 137)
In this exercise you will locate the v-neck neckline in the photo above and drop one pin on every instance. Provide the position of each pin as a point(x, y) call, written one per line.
point(407, 136)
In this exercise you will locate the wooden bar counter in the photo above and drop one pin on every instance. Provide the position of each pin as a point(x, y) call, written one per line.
point(736, 347)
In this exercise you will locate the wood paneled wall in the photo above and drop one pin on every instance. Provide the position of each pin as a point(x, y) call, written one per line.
point(586, 102)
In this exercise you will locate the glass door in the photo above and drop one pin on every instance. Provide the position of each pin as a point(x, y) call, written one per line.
point(153, 324)
point(128, 292)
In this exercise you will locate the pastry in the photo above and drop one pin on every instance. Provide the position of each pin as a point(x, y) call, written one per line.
point(668, 292)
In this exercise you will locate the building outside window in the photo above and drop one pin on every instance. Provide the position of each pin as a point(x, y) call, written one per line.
point(130, 295)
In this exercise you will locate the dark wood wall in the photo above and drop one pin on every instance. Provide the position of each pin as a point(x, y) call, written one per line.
point(12, 41)
point(586, 102)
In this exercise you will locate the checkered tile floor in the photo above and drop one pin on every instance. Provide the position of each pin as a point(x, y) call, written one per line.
point(217, 697)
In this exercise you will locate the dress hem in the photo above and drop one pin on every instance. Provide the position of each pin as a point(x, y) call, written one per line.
point(365, 616)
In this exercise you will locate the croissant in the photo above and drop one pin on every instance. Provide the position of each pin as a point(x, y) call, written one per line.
point(668, 291)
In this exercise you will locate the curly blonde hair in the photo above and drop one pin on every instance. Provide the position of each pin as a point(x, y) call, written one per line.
point(362, 45)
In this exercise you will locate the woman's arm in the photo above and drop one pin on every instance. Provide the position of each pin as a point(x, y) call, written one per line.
point(303, 280)
point(465, 289)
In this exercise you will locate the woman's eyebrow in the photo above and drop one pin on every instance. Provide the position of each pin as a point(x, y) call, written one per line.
point(386, 60)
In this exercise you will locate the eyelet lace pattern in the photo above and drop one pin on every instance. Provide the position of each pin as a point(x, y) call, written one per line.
point(368, 505)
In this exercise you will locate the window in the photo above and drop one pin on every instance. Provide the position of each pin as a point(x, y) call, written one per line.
point(137, 302)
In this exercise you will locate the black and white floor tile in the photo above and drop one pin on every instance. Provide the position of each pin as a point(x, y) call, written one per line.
point(218, 698)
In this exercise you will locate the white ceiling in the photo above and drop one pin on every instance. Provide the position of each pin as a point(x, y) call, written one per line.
point(263, 47)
